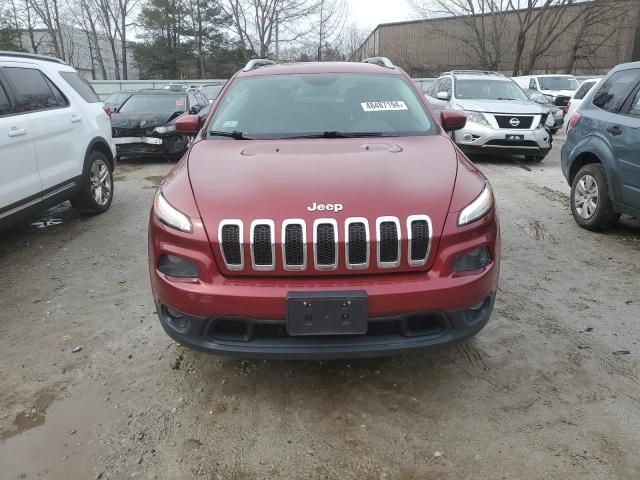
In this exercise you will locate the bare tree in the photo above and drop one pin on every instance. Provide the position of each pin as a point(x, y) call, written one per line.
point(590, 36)
point(484, 25)
point(255, 21)
point(122, 11)
point(352, 39)
point(48, 13)
point(329, 24)
point(107, 16)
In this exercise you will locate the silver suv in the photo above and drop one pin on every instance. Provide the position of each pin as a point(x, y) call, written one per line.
point(500, 117)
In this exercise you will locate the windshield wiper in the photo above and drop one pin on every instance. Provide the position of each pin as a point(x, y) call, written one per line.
point(502, 98)
point(337, 134)
point(236, 135)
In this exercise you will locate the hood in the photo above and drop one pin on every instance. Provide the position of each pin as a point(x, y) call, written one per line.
point(558, 93)
point(133, 119)
point(279, 180)
point(508, 107)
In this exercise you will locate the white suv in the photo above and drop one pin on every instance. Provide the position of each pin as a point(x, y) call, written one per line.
point(55, 139)
point(501, 119)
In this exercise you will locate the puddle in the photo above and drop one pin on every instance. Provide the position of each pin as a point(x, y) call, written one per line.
point(59, 440)
point(33, 417)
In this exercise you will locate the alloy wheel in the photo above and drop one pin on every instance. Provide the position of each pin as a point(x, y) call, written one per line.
point(586, 196)
point(101, 188)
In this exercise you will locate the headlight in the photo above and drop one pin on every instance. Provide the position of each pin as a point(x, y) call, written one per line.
point(165, 129)
point(476, 117)
point(169, 215)
point(551, 98)
point(478, 208)
point(558, 114)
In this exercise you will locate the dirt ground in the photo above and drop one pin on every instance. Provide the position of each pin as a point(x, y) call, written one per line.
point(548, 390)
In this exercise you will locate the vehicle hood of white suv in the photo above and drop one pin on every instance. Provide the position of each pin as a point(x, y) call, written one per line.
point(508, 107)
point(558, 93)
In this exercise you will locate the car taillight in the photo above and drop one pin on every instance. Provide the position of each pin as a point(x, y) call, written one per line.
point(573, 121)
point(107, 110)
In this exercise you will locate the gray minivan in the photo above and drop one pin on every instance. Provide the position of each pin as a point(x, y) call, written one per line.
point(601, 156)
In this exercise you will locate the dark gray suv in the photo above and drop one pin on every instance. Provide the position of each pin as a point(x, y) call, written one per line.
point(601, 156)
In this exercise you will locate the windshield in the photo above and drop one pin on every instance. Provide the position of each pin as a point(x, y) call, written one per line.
point(154, 104)
point(485, 89)
point(281, 106)
point(211, 91)
point(116, 98)
point(557, 83)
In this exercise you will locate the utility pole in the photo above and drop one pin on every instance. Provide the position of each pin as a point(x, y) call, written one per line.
point(277, 36)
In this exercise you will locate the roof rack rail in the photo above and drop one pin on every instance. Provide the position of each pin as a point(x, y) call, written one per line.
point(257, 63)
point(380, 61)
point(475, 72)
point(32, 56)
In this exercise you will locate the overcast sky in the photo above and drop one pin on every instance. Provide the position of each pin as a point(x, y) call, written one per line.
point(367, 14)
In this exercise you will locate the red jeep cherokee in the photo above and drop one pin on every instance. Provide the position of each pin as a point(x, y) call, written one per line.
point(322, 211)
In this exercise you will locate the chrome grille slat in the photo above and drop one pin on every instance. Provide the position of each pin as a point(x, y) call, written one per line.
point(389, 239)
point(294, 244)
point(262, 245)
point(231, 240)
point(357, 243)
point(325, 244)
point(419, 234)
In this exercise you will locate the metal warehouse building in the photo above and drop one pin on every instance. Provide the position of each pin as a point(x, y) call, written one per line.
point(584, 38)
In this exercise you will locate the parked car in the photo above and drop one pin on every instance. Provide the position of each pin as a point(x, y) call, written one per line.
point(116, 99)
point(501, 120)
point(600, 158)
point(557, 88)
point(210, 91)
point(144, 126)
point(323, 211)
point(55, 139)
point(553, 110)
point(582, 91)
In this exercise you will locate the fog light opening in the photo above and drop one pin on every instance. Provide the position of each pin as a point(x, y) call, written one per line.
point(478, 305)
point(423, 324)
point(175, 266)
point(472, 260)
point(230, 329)
point(176, 320)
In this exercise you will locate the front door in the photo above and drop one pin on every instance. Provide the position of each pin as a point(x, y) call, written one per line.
point(19, 180)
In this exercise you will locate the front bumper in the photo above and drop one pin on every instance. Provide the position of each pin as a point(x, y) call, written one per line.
point(480, 139)
point(253, 338)
point(172, 145)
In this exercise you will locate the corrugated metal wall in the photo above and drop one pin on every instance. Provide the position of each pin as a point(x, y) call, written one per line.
point(432, 46)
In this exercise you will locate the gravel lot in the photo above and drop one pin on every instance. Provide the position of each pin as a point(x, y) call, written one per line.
point(549, 390)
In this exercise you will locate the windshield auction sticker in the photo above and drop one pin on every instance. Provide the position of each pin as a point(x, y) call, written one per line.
point(384, 106)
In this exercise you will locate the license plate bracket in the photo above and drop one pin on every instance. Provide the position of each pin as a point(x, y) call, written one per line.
point(327, 313)
point(514, 138)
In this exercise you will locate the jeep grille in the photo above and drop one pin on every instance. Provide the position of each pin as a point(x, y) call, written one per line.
point(395, 243)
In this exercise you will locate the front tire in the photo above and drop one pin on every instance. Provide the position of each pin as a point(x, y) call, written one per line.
point(591, 203)
point(96, 194)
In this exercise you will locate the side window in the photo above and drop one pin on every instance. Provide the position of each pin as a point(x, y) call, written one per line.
point(5, 106)
point(60, 98)
point(81, 86)
point(32, 90)
point(635, 106)
point(613, 93)
point(532, 84)
point(433, 91)
point(582, 91)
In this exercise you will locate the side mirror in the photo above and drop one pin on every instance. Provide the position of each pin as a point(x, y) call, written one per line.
point(442, 96)
point(195, 109)
point(188, 124)
point(452, 120)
